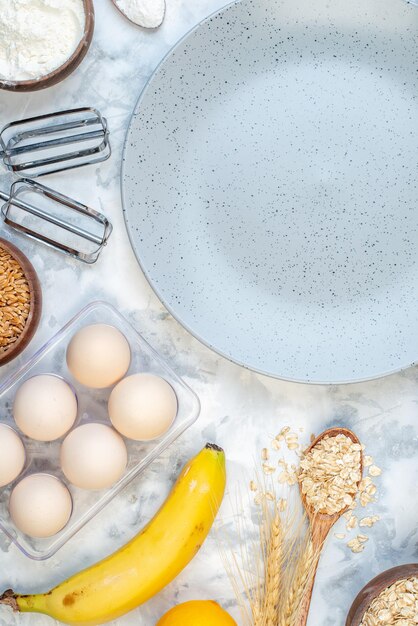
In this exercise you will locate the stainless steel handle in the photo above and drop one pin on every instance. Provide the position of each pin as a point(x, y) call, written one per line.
point(12, 200)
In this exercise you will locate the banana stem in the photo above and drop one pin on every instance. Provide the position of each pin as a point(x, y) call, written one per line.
point(8, 598)
point(213, 446)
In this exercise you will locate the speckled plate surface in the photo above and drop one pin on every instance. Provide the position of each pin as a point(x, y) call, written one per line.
point(270, 186)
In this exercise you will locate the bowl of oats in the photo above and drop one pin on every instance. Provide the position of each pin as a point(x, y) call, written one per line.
point(20, 301)
point(389, 599)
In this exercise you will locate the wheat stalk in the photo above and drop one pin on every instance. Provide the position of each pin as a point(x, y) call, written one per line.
point(275, 559)
point(296, 591)
point(258, 616)
point(276, 569)
point(273, 572)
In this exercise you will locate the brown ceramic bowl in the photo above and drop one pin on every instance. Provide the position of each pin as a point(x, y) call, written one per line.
point(34, 316)
point(375, 587)
point(64, 70)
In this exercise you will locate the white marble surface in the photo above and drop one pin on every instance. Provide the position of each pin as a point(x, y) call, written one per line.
point(239, 409)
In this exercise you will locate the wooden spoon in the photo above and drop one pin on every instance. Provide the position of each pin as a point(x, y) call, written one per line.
point(320, 524)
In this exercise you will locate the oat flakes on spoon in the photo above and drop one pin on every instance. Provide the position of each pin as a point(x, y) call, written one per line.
point(330, 475)
point(145, 13)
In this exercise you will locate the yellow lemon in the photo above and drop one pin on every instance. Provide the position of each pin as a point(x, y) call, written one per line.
point(197, 613)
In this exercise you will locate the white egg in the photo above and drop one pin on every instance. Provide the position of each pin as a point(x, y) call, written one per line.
point(98, 356)
point(93, 456)
point(40, 505)
point(12, 455)
point(45, 407)
point(142, 406)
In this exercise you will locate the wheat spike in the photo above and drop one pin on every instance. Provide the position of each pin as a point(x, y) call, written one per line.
point(273, 572)
point(275, 558)
point(258, 617)
point(294, 595)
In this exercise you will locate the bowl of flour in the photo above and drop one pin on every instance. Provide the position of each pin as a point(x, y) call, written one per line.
point(42, 41)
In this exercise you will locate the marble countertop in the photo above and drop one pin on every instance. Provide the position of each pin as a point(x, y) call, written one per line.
point(240, 409)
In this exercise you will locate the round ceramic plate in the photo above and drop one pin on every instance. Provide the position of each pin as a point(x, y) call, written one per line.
point(270, 186)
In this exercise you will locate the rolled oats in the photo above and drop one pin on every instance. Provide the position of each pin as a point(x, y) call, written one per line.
point(374, 470)
point(356, 545)
point(288, 475)
point(395, 605)
point(292, 441)
point(369, 521)
point(330, 473)
point(265, 454)
point(352, 522)
point(268, 469)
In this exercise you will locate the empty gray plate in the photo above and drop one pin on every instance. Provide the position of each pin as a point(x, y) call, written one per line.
point(270, 186)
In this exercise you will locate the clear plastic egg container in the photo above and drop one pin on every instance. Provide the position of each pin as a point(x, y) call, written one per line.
point(92, 407)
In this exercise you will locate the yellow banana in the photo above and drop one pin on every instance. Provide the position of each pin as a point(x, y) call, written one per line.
point(151, 560)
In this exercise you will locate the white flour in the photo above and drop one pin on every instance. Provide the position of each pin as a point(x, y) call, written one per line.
point(37, 36)
point(146, 13)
